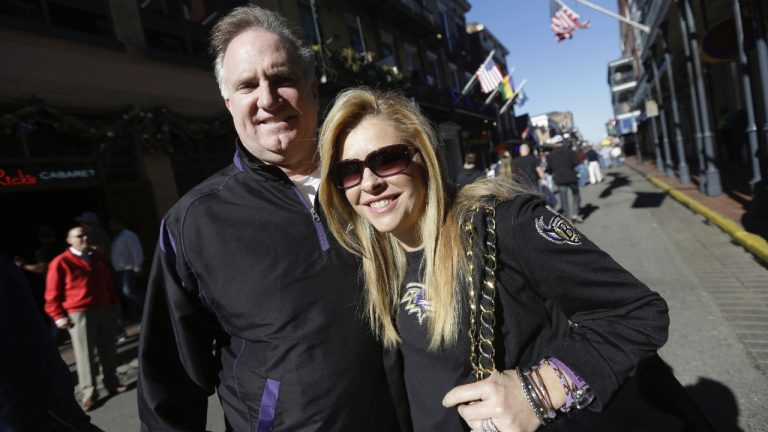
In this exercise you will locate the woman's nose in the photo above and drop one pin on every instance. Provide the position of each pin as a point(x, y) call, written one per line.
point(370, 181)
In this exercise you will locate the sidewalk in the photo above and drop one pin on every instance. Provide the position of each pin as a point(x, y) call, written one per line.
point(716, 291)
point(725, 211)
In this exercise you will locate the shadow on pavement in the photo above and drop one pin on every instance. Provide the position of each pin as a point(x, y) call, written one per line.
point(648, 199)
point(718, 402)
point(619, 180)
point(587, 210)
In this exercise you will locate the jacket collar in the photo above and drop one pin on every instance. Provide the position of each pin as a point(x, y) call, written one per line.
point(246, 162)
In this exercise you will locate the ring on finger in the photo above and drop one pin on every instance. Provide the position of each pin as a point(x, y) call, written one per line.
point(487, 426)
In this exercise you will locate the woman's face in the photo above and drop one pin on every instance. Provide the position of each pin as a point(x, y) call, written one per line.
point(392, 204)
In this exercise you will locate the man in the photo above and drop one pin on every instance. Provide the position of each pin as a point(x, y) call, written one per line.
point(249, 294)
point(80, 297)
point(562, 163)
point(97, 236)
point(527, 166)
point(127, 256)
point(595, 176)
point(469, 171)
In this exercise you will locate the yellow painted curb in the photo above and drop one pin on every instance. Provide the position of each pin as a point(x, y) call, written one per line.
point(753, 243)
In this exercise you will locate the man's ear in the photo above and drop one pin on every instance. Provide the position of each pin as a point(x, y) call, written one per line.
point(226, 103)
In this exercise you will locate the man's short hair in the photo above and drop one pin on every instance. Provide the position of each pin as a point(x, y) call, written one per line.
point(249, 17)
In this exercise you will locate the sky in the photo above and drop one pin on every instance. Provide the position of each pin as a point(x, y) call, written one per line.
point(566, 76)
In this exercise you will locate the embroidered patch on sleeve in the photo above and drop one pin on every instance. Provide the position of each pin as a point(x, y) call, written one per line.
point(414, 301)
point(559, 230)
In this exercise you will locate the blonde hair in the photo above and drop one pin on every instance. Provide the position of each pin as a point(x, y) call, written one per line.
point(383, 258)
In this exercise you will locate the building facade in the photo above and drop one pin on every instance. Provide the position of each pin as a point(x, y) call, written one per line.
point(691, 91)
point(113, 107)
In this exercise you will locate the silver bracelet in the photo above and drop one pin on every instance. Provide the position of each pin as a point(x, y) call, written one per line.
point(527, 392)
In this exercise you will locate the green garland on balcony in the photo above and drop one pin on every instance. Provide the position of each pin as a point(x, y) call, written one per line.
point(346, 66)
point(155, 126)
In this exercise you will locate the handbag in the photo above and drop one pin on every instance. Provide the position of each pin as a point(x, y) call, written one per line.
point(650, 400)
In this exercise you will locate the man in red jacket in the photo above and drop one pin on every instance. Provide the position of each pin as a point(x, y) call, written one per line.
point(80, 296)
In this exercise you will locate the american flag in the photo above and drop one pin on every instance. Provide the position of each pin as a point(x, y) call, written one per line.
point(489, 76)
point(564, 20)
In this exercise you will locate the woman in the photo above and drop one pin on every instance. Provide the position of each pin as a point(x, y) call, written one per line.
point(569, 318)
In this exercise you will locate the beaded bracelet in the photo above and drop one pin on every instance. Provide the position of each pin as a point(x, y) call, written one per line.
point(578, 394)
point(529, 397)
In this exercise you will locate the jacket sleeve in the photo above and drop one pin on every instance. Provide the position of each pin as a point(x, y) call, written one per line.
point(616, 320)
point(178, 365)
point(54, 290)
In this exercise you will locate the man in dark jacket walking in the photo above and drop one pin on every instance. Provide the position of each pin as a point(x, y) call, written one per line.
point(562, 162)
point(249, 294)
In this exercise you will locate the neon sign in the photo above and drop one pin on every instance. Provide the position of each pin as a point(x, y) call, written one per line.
point(24, 178)
point(19, 178)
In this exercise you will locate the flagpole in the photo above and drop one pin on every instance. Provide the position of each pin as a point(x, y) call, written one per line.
point(517, 93)
point(474, 76)
point(506, 105)
point(492, 95)
point(637, 25)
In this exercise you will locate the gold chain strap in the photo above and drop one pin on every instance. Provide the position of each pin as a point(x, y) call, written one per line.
point(481, 351)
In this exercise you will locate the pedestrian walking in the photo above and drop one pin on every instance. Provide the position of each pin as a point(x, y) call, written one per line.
point(593, 164)
point(81, 298)
point(127, 257)
point(562, 163)
point(249, 295)
point(526, 166)
point(469, 171)
point(616, 156)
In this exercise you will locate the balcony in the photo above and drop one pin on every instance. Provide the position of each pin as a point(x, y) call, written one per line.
point(411, 16)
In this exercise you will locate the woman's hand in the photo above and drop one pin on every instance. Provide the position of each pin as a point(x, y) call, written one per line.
point(499, 398)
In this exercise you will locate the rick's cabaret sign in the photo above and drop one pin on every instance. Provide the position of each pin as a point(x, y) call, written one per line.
point(16, 177)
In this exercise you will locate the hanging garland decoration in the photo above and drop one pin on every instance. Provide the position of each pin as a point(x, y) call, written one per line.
point(348, 67)
point(157, 127)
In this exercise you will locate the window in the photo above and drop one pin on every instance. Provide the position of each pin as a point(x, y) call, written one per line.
point(446, 29)
point(454, 76)
point(180, 27)
point(89, 18)
point(354, 29)
point(433, 71)
point(388, 56)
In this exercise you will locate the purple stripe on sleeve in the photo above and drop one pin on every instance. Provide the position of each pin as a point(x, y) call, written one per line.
point(268, 405)
point(161, 240)
point(236, 160)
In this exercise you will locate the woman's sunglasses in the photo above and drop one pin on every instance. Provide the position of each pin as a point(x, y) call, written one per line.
point(384, 162)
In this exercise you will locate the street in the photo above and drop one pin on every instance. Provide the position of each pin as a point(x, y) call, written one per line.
point(716, 291)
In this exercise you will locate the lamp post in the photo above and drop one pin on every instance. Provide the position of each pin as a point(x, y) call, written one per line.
point(762, 61)
point(748, 103)
point(667, 164)
point(682, 166)
point(713, 186)
point(694, 102)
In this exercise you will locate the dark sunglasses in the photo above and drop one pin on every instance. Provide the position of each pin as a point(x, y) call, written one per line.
point(384, 162)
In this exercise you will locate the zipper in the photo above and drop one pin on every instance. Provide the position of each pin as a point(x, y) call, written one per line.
point(322, 237)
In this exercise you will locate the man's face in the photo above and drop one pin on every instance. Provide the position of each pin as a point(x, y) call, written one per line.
point(78, 239)
point(273, 103)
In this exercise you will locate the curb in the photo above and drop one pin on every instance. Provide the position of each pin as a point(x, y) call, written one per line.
point(755, 244)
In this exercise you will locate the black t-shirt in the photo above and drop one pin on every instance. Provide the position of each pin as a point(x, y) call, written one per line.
point(429, 375)
point(592, 156)
point(526, 168)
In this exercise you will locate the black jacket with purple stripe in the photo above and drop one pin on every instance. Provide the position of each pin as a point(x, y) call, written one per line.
point(250, 296)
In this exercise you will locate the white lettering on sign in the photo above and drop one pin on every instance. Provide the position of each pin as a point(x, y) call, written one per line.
point(62, 175)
